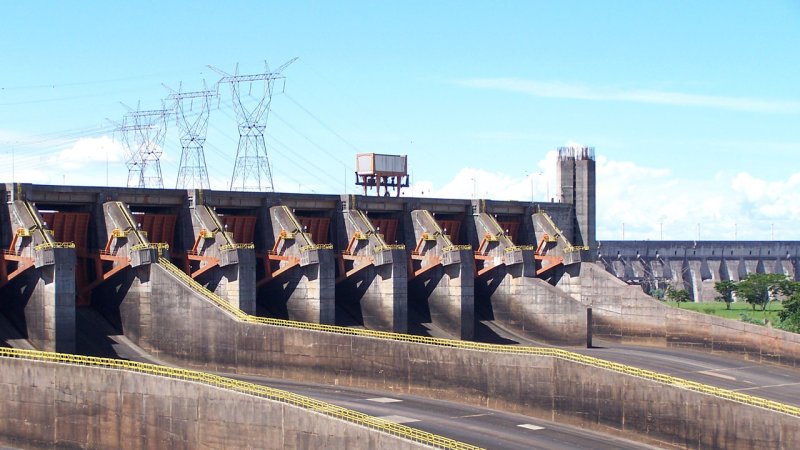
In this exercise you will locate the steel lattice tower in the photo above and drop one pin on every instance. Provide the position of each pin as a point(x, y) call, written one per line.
point(251, 170)
point(193, 172)
point(143, 134)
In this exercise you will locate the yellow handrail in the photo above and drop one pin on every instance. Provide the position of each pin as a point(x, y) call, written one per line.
point(480, 346)
point(47, 245)
point(257, 390)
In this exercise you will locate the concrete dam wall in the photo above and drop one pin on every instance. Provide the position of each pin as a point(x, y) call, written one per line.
point(190, 328)
point(55, 405)
point(624, 313)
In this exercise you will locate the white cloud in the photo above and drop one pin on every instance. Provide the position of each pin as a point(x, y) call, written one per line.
point(652, 202)
point(603, 93)
point(87, 151)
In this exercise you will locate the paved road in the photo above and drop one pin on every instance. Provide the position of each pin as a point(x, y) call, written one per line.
point(478, 426)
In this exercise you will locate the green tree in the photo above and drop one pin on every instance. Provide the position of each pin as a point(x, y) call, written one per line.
point(790, 315)
point(759, 289)
point(678, 295)
point(725, 288)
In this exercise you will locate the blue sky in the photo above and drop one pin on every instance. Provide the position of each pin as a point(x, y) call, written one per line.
point(693, 107)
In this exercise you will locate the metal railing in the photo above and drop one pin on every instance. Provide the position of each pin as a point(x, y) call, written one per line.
point(246, 246)
point(385, 247)
point(244, 387)
point(495, 348)
point(48, 245)
point(310, 247)
point(524, 248)
point(456, 247)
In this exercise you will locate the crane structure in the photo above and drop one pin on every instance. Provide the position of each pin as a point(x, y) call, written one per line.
point(252, 96)
point(193, 171)
point(143, 134)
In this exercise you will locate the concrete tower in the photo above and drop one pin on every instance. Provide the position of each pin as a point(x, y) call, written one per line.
point(576, 172)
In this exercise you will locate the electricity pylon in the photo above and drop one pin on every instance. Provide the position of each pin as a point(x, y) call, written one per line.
point(193, 172)
point(251, 170)
point(143, 134)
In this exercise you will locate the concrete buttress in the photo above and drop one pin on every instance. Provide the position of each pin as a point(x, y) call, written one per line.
point(227, 268)
point(373, 276)
point(444, 281)
point(39, 284)
point(304, 283)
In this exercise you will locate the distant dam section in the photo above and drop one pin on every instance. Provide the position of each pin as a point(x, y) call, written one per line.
point(696, 265)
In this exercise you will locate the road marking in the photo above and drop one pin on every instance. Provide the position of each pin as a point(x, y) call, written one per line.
point(766, 387)
point(471, 415)
point(530, 426)
point(398, 419)
point(384, 400)
point(718, 375)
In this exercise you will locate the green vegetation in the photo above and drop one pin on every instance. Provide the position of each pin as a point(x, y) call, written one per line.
point(776, 295)
point(726, 289)
point(678, 296)
point(736, 311)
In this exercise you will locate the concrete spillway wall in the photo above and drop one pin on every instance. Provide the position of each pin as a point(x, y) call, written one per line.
point(624, 313)
point(696, 265)
point(190, 329)
point(52, 405)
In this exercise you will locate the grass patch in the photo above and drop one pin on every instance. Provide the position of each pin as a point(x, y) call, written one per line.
point(738, 309)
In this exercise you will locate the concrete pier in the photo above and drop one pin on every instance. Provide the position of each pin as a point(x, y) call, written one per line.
point(303, 284)
point(372, 275)
point(443, 278)
point(38, 279)
point(225, 267)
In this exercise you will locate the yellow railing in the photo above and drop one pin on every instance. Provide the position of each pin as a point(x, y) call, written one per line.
point(160, 246)
point(380, 248)
point(47, 245)
point(244, 387)
point(226, 247)
point(309, 247)
point(525, 248)
point(479, 346)
point(455, 248)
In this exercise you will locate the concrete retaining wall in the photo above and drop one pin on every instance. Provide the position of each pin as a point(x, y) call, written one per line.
point(624, 313)
point(50, 405)
point(191, 330)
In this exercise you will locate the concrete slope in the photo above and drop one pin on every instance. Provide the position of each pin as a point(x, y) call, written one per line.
point(626, 314)
point(188, 327)
point(534, 309)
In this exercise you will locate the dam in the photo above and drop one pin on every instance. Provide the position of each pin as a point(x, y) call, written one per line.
point(414, 295)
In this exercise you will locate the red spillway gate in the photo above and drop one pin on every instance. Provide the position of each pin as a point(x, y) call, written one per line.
point(450, 228)
point(317, 226)
point(511, 228)
point(386, 227)
point(242, 227)
point(159, 227)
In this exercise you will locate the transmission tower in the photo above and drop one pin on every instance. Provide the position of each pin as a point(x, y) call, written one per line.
point(252, 95)
point(193, 172)
point(143, 134)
